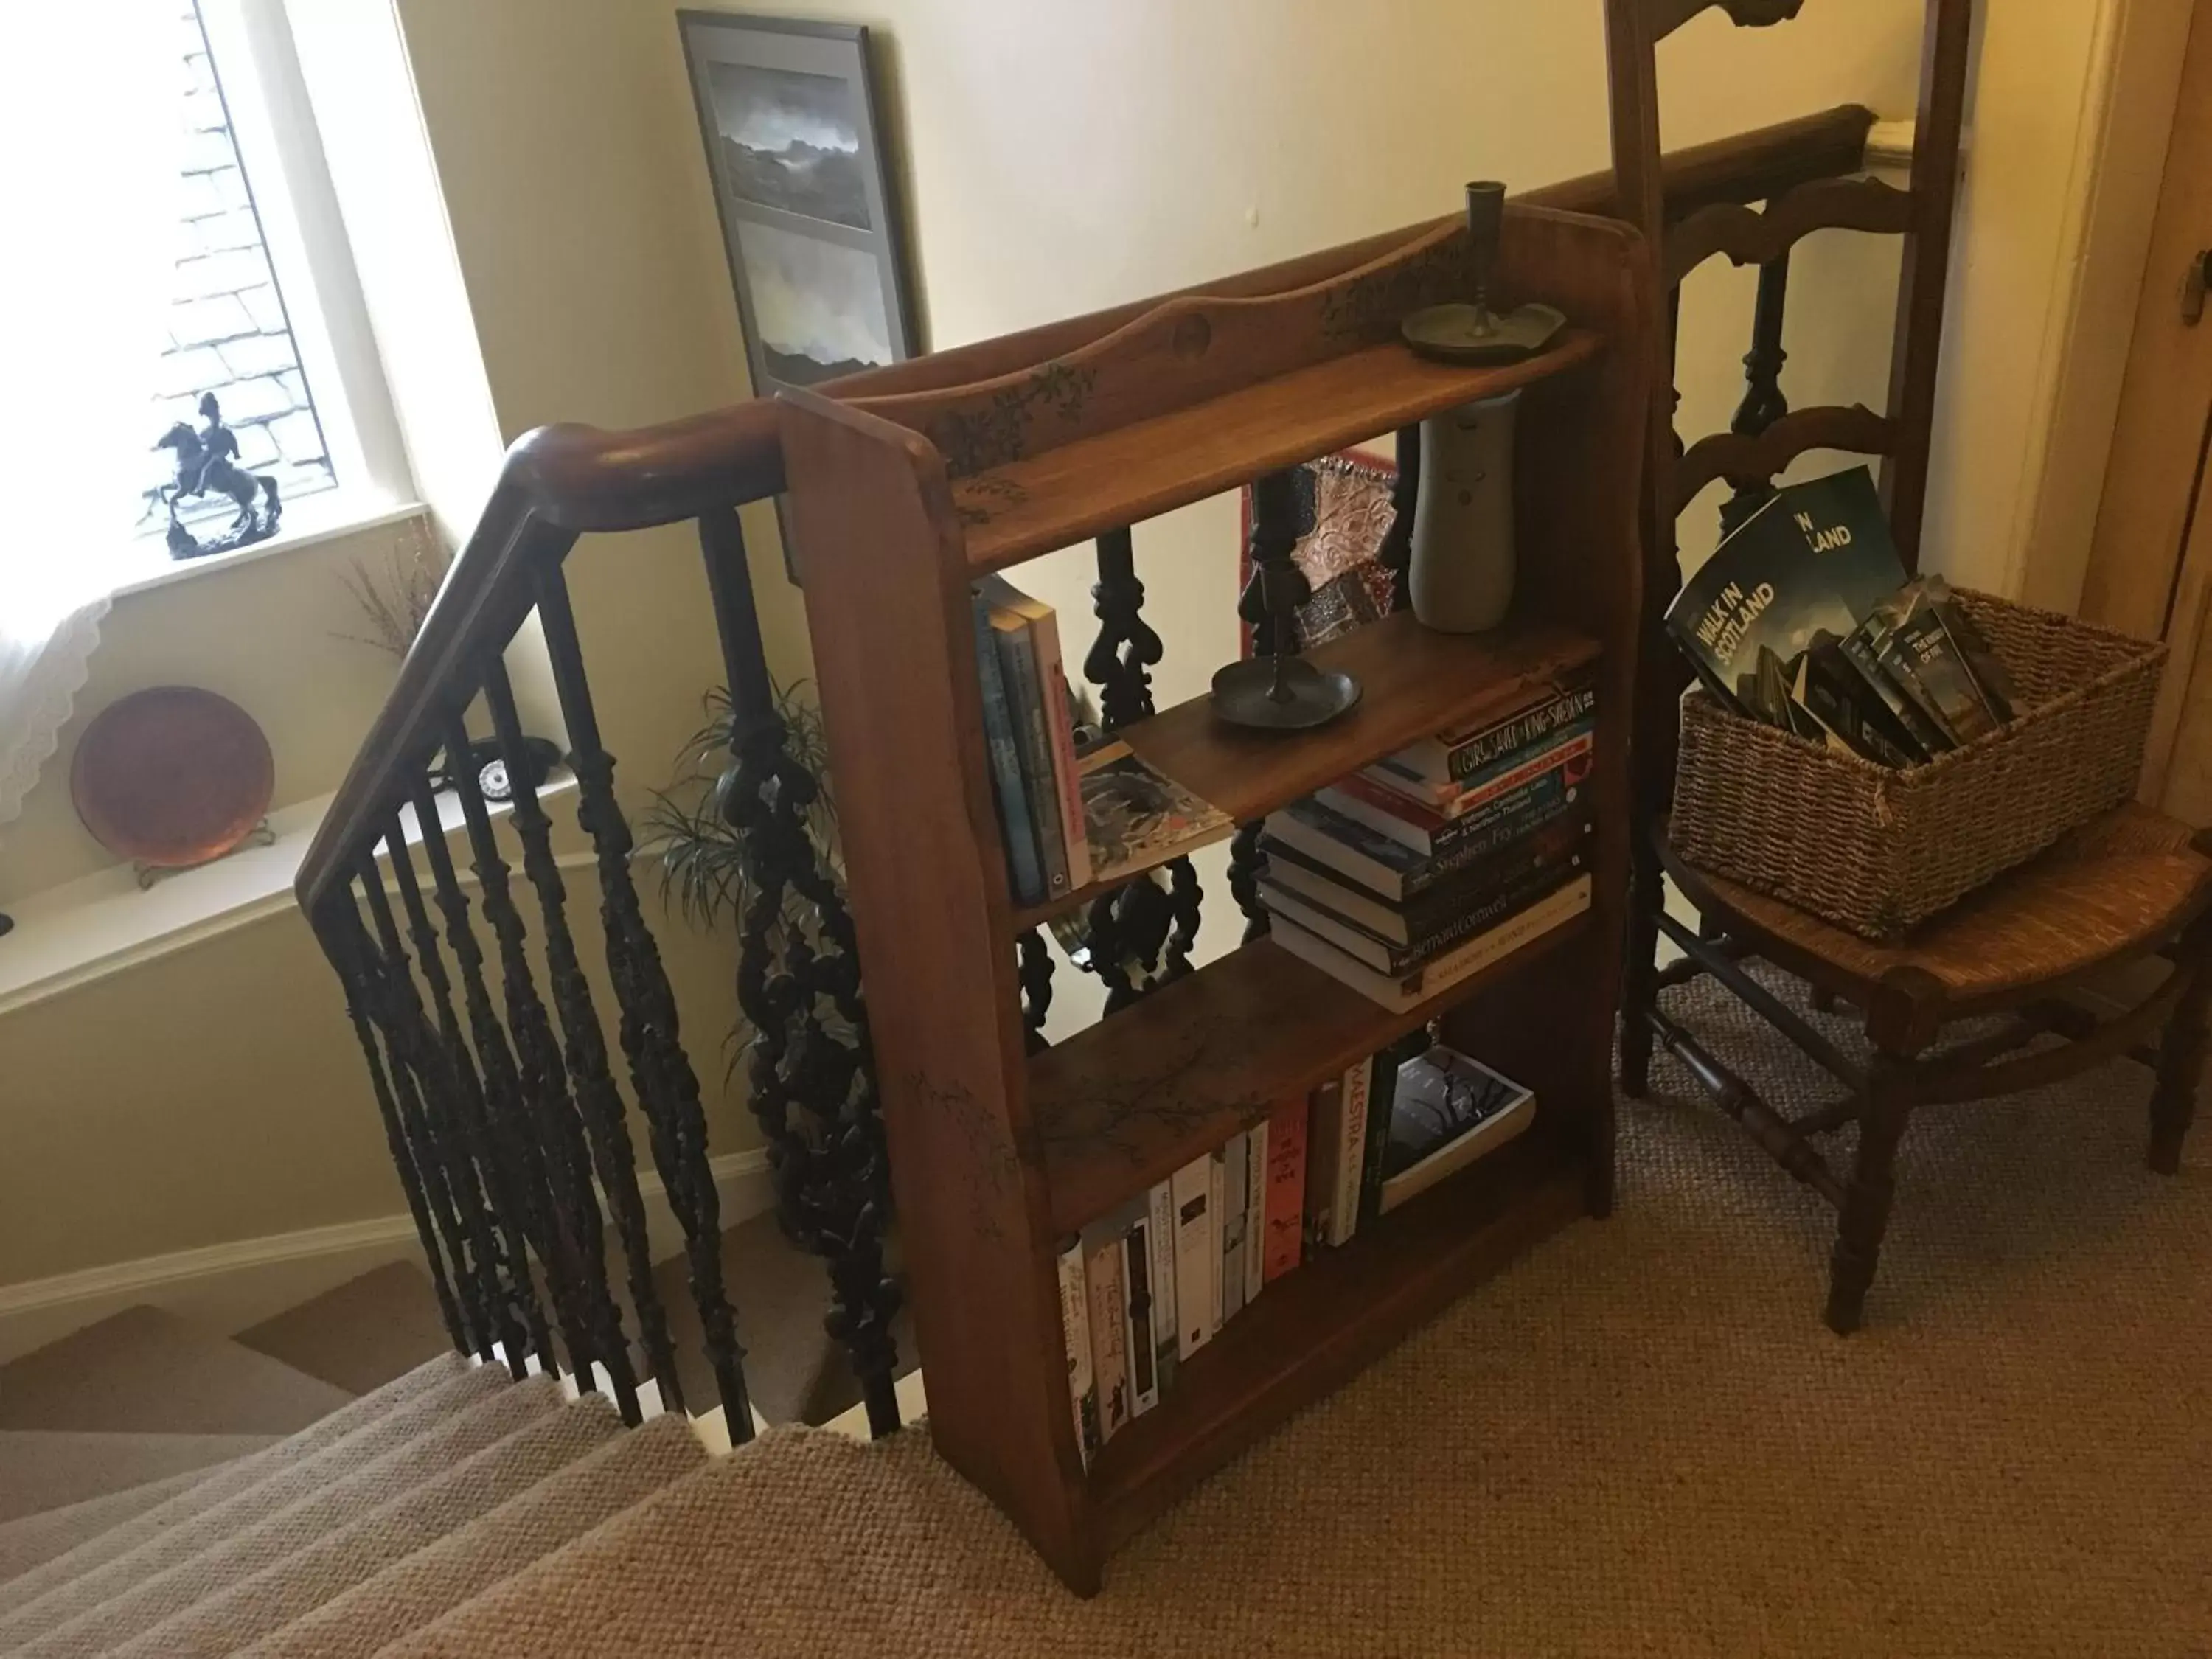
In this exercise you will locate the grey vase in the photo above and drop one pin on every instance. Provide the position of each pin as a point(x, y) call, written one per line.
point(1461, 572)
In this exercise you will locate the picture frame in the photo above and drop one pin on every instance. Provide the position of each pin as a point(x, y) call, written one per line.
point(791, 115)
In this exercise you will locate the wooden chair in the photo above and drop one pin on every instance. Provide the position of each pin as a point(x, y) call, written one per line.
point(2130, 888)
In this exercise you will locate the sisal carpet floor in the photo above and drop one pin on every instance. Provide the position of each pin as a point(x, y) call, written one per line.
point(1642, 1441)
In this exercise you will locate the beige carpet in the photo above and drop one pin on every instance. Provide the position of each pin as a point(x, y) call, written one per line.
point(1642, 1441)
point(360, 1335)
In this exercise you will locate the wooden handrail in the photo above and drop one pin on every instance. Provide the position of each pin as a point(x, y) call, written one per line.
point(561, 482)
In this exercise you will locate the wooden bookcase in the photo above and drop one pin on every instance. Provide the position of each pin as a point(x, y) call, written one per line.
point(898, 502)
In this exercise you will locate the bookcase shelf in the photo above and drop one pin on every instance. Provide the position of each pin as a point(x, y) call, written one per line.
point(1067, 495)
point(897, 503)
point(1310, 1331)
point(1131, 1100)
point(1415, 681)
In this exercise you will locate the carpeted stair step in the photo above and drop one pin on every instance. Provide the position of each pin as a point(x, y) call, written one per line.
point(42, 1469)
point(144, 1371)
point(423, 1587)
point(144, 1585)
point(305, 1577)
point(892, 1540)
point(37, 1539)
point(237, 1494)
point(361, 1336)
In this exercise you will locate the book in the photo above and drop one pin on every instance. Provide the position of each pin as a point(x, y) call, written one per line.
point(1255, 1211)
point(1109, 1325)
point(1137, 1299)
point(1160, 1206)
point(1859, 650)
point(1235, 1211)
point(1351, 1152)
point(1136, 818)
point(1385, 957)
point(1930, 649)
point(1853, 720)
point(1024, 693)
point(1217, 1200)
point(1474, 794)
point(1390, 1068)
point(1198, 1306)
point(1024, 866)
point(1324, 1151)
point(1058, 718)
point(1431, 834)
point(1403, 993)
point(1446, 1111)
point(1446, 760)
point(1395, 872)
point(1817, 555)
point(1427, 915)
point(1283, 1229)
point(1075, 1331)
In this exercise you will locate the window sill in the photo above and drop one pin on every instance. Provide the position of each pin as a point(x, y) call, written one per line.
point(104, 923)
point(322, 520)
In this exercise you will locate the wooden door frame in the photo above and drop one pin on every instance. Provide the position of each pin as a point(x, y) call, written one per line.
point(2147, 575)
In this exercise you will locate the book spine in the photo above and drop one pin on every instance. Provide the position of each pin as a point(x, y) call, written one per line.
point(1018, 658)
point(1351, 1147)
point(1236, 1180)
point(1527, 810)
point(1324, 1129)
point(1197, 1275)
point(1059, 730)
point(1101, 1270)
point(1137, 1279)
point(1467, 758)
point(1024, 868)
point(1160, 1206)
point(1431, 834)
point(1531, 882)
point(1385, 1088)
point(1284, 1230)
point(1255, 1213)
point(1216, 1183)
point(1075, 1331)
point(1551, 841)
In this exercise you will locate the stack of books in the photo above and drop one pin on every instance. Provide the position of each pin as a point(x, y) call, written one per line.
point(1068, 820)
point(1419, 872)
point(1144, 1290)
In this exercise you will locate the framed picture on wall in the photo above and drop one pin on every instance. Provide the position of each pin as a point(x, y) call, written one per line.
point(809, 216)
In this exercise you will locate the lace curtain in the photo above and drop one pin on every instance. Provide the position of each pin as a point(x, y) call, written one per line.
point(92, 123)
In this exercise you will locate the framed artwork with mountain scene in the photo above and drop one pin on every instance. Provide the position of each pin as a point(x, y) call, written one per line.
point(789, 112)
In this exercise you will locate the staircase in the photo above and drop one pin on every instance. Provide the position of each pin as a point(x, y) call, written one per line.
point(333, 1481)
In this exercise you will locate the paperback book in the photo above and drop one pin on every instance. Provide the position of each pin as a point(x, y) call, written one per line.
point(1442, 763)
point(1431, 835)
point(1395, 872)
point(1135, 818)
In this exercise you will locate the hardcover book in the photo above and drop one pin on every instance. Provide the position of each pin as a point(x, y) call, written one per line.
point(1025, 863)
point(1024, 691)
point(1284, 1223)
point(1056, 718)
point(1404, 992)
point(1817, 556)
point(1389, 1069)
point(1385, 957)
point(1395, 872)
point(1136, 818)
point(1447, 760)
point(1447, 1111)
point(1430, 916)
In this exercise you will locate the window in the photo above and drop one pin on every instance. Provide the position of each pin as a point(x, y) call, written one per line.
point(231, 351)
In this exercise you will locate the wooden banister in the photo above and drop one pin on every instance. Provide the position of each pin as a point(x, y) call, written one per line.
point(561, 482)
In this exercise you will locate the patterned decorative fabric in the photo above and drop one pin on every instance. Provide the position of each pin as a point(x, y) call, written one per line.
point(1345, 512)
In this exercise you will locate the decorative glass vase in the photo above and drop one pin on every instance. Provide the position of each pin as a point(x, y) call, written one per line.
point(1461, 573)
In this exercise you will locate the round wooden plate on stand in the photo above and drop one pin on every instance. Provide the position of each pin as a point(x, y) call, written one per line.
point(172, 776)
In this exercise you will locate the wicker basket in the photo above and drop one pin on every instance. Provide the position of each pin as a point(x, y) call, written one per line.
point(1878, 851)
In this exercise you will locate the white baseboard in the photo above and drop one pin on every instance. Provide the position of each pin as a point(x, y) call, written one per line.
point(229, 1287)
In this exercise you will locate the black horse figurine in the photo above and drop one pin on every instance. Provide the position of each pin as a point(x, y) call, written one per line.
point(207, 460)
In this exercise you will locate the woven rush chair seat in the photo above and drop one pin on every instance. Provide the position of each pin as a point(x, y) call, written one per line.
point(2107, 893)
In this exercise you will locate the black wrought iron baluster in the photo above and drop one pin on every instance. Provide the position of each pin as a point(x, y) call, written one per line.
point(667, 1089)
point(572, 1219)
point(606, 1146)
point(813, 1086)
point(423, 1090)
point(345, 942)
point(509, 1153)
point(1396, 553)
point(1034, 974)
point(1764, 403)
point(468, 1171)
point(1270, 603)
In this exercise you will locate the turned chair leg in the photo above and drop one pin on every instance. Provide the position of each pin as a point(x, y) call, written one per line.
point(2181, 1064)
point(1824, 1000)
point(1887, 1108)
point(1639, 987)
